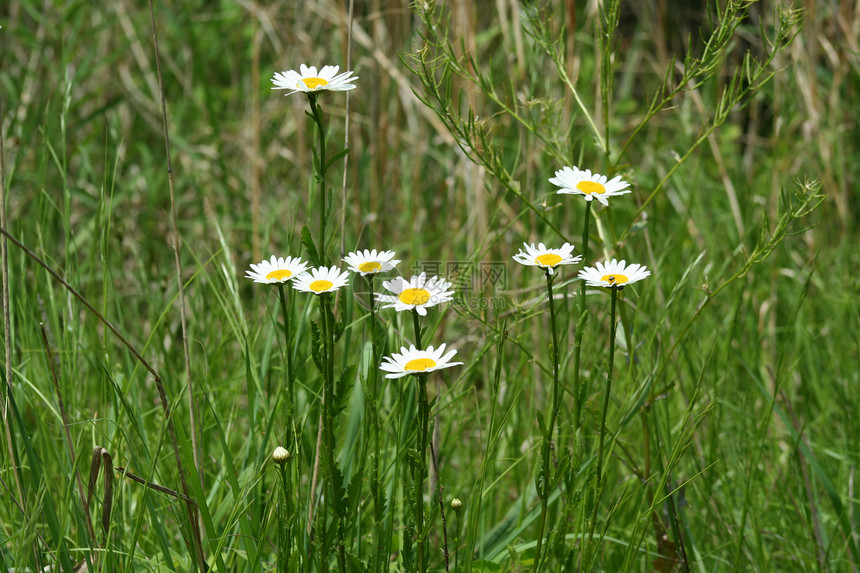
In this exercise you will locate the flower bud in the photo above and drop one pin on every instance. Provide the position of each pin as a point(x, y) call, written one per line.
point(280, 455)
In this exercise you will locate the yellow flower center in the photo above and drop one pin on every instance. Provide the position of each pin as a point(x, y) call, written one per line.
point(279, 274)
point(589, 187)
point(614, 279)
point(321, 285)
point(414, 296)
point(370, 267)
point(548, 260)
point(314, 83)
point(419, 364)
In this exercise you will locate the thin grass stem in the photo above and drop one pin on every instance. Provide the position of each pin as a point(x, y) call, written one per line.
point(420, 467)
point(546, 448)
point(7, 328)
point(376, 485)
point(285, 513)
point(416, 325)
point(334, 496)
point(577, 350)
point(606, 394)
point(288, 346)
point(67, 434)
point(317, 115)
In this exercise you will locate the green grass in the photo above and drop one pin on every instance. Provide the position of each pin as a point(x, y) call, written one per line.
point(731, 428)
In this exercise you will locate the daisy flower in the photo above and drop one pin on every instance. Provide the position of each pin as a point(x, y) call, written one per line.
point(418, 293)
point(573, 181)
point(545, 258)
point(613, 273)
point(308, 80)
point(276, 270)
point(321, 280)
point(414, 361)
point(370, 262)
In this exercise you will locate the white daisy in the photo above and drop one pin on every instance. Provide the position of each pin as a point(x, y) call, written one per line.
point(276, 270)
point(573, 181)
point(370, 262)
point(307, 80)
point(545, 258)
point(414, 361)
point(321, 280)
point(613, 273)
point(418, 293)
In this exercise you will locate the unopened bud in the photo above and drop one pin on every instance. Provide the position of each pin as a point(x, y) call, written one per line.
point(280, 455)
point(456, 504)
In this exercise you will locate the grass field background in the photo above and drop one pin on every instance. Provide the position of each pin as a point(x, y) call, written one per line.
point(733, 418)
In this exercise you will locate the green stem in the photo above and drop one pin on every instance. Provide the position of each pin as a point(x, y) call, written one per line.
point(417, 327)
point(289, 350)
point(578, 335)
point(373, 333)
point(317, 115)
point(605, 408)
point(328, 424)
point(284, 521)
point(420, 468)
point(292, 437)
point(377, 490)
point(547, 439)
point(457, 542)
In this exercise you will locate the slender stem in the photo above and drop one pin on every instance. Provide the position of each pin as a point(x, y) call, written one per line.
point(605, 408)
point(327, 397)
point(585, 237)
point(417, 327)
point(316, 113)
point(328, 425)
point(376, 485)
point(547, 439)
point(439, 489)
point(375, 385)
point(196, 450)
point(577, 344)
point(420, 468)
point(343, 209)
point(555, 350)
point(7, 331)
point(284, 521)
point(288, 345)
point(69, 443)
point(608, 22)
point(577, 391)
point(457, 542)
point(292, 434)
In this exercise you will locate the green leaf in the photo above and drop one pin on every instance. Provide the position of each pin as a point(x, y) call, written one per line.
point(339, 155)
point(343, 388)
point(340, 501)
point(542, 424)
point(310, 247)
